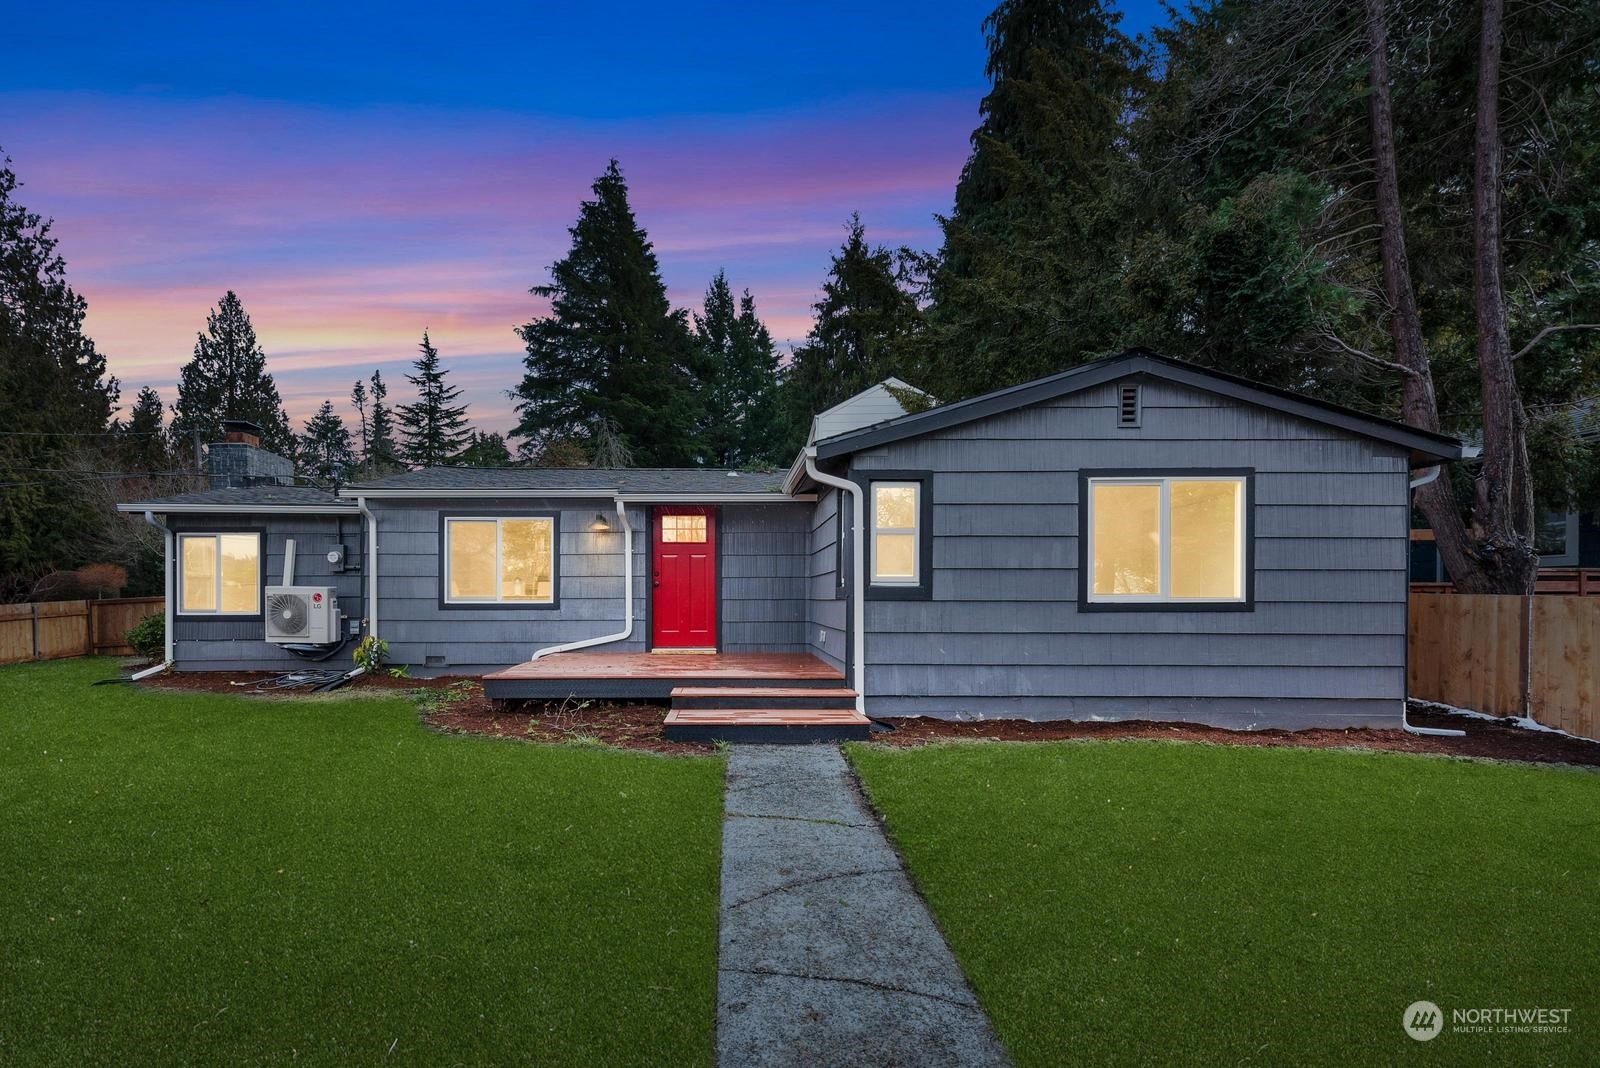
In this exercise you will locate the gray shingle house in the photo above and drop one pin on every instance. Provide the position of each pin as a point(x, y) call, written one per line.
point(1133, 538)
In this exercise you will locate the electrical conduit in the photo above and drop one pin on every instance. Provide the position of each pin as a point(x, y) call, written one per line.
point(627, 595)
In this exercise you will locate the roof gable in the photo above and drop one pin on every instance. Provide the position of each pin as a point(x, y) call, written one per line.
point(1425, 447)
point(873, 405)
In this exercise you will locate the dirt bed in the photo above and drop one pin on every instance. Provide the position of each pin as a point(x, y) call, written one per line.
point(457, 705)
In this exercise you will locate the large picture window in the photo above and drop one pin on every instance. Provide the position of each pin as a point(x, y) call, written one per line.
point(504, 559)
point(1167, 539)
point(219, 574)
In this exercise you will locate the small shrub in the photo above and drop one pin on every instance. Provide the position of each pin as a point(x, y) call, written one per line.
point(400, 671)
point(148, 637)
point(371, 653)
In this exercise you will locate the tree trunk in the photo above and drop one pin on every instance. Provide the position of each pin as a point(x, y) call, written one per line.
point(1476, 564)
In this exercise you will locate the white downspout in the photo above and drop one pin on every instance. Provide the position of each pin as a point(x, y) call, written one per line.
point(627, 595)
point(371, 563)
point(169, 608)
point(858, 574)
point(1432, 732)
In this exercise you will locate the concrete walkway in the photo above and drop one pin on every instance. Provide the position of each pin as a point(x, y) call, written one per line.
point(828, 957)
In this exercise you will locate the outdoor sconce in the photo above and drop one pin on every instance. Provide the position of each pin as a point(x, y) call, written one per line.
point(601, 524)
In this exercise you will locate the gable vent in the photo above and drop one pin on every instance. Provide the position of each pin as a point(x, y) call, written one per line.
point(1128, 405)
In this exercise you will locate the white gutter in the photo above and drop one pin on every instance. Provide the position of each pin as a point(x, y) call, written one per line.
point(627, 595)
point(239, 509)
point(371, 564)
point(565, 494)
point(1432, 732)
point(169, 607)
point(712, 498)
point(858, 573)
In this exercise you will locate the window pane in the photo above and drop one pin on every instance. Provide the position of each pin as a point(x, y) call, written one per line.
point(1127, 538)
point(894, 556)
point(471, 560)
point(680, 529)
point(894, 506)
point(199, 574)
point(1205, 540)
point(525, 559)
point(241, 589)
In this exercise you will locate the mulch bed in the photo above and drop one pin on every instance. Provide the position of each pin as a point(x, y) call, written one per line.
point(465, 710)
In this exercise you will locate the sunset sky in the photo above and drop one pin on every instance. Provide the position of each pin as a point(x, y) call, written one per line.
point(359, 177)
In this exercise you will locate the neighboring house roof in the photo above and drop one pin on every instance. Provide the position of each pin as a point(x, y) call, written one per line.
point(1425, 447)
point(875, 404)
point(246, 499)
point(638, 482)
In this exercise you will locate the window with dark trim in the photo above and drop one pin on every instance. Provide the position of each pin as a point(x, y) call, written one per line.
point(1166, 540)
point(899, 534)
point(219, 574)
point(499, 560)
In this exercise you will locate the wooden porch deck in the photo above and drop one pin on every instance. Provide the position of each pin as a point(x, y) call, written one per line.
point(653, 676)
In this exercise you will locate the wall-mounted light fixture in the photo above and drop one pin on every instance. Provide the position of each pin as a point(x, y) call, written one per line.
point(601, 524)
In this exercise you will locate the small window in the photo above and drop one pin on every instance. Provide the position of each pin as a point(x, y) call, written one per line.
point(219, 574)
point(896, 534)
point(501, 560)
point(683, 529)
point(1128, 405)
point(1159, 540)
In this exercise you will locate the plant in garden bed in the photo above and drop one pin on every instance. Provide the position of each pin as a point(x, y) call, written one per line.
point(148, 637)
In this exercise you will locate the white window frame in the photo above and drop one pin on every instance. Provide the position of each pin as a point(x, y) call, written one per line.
point(216, 537)
point(499, 579)
point(915, 530)
point(1164, 562)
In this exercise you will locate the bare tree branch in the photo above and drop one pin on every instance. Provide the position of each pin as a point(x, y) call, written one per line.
point(1367, 357)
point(1547, 331)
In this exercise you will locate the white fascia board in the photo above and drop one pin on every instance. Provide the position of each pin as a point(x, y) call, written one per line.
point(474, 494)
point(713, 498)
point(239, 509)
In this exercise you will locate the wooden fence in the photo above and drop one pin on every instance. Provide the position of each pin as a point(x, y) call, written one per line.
point(54, 630)
point(1509, 656)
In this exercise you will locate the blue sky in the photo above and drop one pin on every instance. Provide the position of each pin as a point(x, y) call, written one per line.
point(360, 172)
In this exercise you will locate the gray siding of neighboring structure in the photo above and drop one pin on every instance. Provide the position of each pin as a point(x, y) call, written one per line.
point(224, 644)
point(827, 617)
point(1002, 634)
point(763, 584)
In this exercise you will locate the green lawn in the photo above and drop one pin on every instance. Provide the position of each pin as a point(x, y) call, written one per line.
point(193, 879)
point(1149, 903)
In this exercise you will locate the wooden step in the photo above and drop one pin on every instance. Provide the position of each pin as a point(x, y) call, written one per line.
point(726, 697)
point(765, 725)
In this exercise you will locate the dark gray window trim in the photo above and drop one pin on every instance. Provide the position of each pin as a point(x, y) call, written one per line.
point(262, 553)
point(923, 590)
point(502, 606)
point(1249, 476)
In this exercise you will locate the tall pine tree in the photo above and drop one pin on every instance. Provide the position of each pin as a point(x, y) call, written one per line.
point(867, 329)
point(142, 446)
point(359, 401)
point(55, 399)
point(227, 378)
point(382, 452)
point(740, 398)
point(485, 450)
point(612, 348)
point(434, 429)
point(325, 451)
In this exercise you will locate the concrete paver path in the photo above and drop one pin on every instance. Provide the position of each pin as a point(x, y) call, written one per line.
point(828, 956)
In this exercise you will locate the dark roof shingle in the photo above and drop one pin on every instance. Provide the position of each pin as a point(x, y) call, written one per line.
point(245, 496)
point(602, 480)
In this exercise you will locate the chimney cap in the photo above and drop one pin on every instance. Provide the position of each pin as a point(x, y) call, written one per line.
point(242, 426)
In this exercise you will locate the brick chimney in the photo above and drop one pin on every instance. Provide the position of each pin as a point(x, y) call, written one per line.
point(239, 460)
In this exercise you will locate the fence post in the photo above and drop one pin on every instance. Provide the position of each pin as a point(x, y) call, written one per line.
point(1526, 679)
point(33, 616)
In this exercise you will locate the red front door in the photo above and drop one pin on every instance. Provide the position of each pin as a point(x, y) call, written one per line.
point(683, 574)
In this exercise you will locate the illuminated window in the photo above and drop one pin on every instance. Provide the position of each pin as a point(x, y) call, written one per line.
point(896, 534)
point(219, 574)
point(683, 529)
point(1166, 539)
point(510, 560)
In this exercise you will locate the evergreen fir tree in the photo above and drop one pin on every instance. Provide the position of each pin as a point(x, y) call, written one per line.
point(227, 378)
point(484, 450)
point(382, 453)
point(740, 401)
point(142, 446)
point(54, 394)
point(359, 401)
point(612, 348)
point(867, 328)
point(434, 429)
point(325, 452)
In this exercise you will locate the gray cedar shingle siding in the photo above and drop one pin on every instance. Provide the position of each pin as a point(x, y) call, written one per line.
point(233, 644)
point(1325, 643)
point(828, 613)
point(763, 583)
